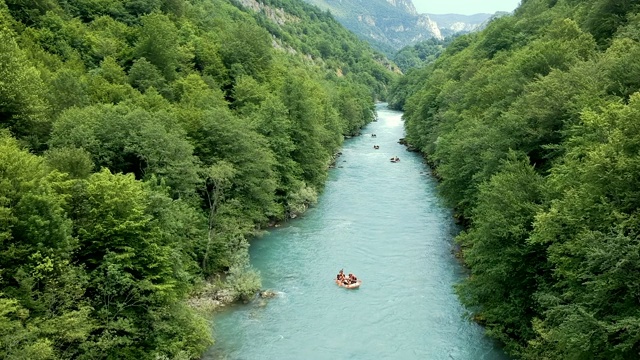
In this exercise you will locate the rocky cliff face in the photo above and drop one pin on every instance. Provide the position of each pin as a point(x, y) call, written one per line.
point(388, 25)
point(455, 23)
point(407, 6)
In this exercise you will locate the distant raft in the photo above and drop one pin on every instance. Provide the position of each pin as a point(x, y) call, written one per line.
point(349, 282)
point(355, 285)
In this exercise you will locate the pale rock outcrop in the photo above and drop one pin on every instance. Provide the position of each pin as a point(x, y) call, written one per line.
point(279, 16)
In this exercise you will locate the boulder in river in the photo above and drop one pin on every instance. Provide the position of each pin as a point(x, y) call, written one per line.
point(268, 294)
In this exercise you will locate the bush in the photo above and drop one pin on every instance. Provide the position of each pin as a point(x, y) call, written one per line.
point(245, 282)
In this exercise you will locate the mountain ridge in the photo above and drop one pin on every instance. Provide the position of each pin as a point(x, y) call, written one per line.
point(390, 25)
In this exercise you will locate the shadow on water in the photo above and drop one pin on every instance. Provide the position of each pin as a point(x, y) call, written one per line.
point(384, 222)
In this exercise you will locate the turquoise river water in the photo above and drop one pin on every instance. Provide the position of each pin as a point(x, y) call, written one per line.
point(384, 222)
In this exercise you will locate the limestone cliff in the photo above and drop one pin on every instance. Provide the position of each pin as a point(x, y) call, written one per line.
point(455, 23)
point(388, 25)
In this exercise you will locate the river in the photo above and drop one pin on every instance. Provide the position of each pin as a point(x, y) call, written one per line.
point(384, 222)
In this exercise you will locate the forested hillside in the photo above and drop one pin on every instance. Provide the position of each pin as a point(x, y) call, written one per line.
point(420, 54)
point(143, 143)
point(533, 127)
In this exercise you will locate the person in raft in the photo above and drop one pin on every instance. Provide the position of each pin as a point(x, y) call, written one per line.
point(352, 279)
point(342, 280)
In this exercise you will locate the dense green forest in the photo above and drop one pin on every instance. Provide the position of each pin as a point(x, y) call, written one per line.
point(533, 128)
point(143, 144)
point(420, 54)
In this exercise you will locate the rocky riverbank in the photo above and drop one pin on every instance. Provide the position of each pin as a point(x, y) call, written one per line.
point(215, 296)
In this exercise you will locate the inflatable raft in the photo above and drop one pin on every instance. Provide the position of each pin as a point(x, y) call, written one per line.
point(350, 286)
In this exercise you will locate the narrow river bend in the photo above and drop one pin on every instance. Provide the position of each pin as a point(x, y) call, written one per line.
point(384, 222)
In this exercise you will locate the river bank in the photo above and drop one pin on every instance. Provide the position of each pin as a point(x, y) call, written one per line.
point(220, 292)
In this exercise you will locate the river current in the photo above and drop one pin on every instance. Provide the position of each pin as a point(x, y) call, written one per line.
point(384, 222)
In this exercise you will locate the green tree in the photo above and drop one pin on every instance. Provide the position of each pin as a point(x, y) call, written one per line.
point(72, 161)
point(219, 135)
point(300, 97)
point(246, 50)
point(505, 267)
point(143, 75)
point(131, 268)
point(590, 233)
point(22, 105)
point(158, 43)
point(606, 16)
point(17, 340)
point(44, 315)
point(208, 58)
point(272, 121)
point(131, 140)
point(33, 210)
point(68, 89)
